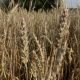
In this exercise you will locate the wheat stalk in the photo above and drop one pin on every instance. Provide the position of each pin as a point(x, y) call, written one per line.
point(41, 60)
point(22, 43)
point(62, 42)
point(3, 52)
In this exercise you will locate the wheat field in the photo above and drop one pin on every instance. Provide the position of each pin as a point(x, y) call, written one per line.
point(40, 45)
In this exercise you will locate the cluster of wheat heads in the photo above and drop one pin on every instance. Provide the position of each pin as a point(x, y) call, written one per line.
point(39, 45)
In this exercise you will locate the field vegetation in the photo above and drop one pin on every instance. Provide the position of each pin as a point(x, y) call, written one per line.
point(40, 45)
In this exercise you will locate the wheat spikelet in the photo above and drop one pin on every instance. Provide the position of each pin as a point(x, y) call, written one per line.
point(22, 42)
point(41, 59)
point(41, 51)
point(62, 42)
point(36, 67)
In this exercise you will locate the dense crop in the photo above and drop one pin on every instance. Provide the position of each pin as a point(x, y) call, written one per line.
point(40, 45)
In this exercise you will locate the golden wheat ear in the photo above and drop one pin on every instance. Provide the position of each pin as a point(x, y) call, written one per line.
point(62, 41)
point(22, 43)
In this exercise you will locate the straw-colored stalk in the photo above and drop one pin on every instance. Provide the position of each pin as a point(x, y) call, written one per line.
point(23, 45)
point(62, 43)
point(3, 64)
point(3, 54)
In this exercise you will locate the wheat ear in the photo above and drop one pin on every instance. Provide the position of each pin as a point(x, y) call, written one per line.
point(22, 42)
point(62, 42)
